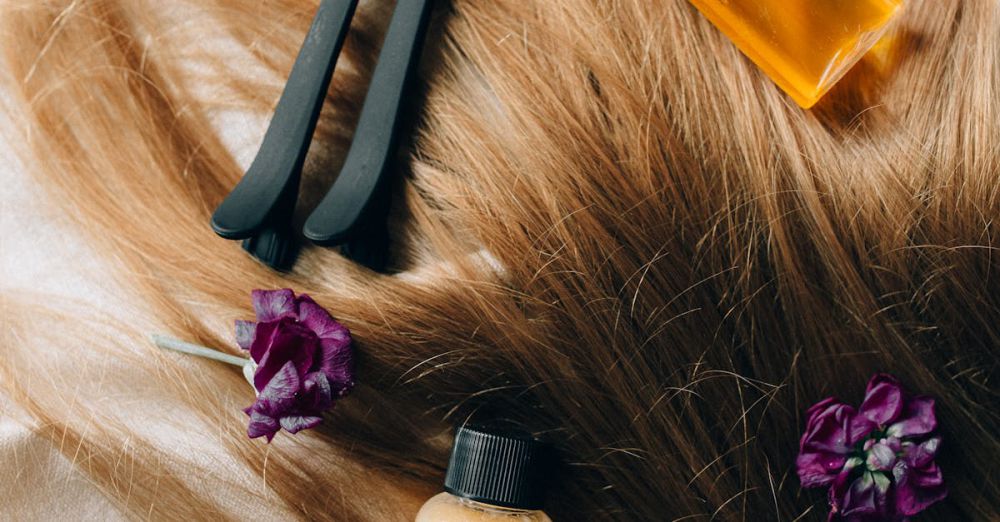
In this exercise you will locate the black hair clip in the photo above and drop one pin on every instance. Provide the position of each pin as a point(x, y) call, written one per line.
point(259, 210)
point(353, 212)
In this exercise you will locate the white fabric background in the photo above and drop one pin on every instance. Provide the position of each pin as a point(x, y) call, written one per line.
point(39, 253)
point(42, 254)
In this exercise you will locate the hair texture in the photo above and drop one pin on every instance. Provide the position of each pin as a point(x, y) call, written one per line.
point(610, 228)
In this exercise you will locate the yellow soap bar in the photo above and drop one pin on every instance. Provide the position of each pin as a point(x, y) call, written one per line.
point(805, 46)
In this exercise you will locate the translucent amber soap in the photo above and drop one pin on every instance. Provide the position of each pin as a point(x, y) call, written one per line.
point(805, 46)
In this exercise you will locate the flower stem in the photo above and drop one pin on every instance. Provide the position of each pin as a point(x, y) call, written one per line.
point(168, 343)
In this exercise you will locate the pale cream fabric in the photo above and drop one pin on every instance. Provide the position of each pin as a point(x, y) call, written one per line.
point(42, 255)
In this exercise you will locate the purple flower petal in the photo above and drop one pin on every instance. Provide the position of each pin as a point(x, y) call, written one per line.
point(882, 485)
point(881, 457)
point(929, 477)
point(261, 426)
point(916, 489)
point(316, 395)
point(279, 394)
point(336, 361)
point(859, 499)
point(272, 305)
point(304, 362)
point(320, 321)
point(884, 474)
point(295, 424)
point(837, 491)
point(883, 400)
point(291, 343)
point(920, 455)
point(867, 495)
point(245, 331)
point(821, 406)
point(859, 428)
point(825, 444)
point(262, 339)
point(917, 419)
point(828, 429)
point(818, 469)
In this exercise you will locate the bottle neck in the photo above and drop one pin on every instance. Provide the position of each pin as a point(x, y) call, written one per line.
point(489, 508)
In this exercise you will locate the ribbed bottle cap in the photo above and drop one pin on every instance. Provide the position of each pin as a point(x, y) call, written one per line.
point(500, 468)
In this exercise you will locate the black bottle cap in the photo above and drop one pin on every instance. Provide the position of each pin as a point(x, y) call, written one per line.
point(500, 468)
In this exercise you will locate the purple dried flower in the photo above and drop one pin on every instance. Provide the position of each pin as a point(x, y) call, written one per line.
point(877, 460)
point(303, 362)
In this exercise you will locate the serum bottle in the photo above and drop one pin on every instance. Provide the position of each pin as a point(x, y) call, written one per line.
point(805, 46)
point(492, 476)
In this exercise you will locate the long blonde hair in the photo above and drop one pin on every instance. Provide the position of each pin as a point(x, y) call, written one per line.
point(612, 229)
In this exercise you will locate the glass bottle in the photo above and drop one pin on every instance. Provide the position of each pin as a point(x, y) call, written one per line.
point(805, 46)
point(492, 476)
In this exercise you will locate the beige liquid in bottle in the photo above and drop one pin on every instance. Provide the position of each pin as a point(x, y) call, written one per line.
point(492, 477)
point(445, 507)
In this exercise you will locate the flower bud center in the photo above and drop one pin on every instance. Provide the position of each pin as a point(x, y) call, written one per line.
point(880, 456)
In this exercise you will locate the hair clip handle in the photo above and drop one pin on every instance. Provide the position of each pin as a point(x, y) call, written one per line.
point(264, 200)
point(356, 193)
